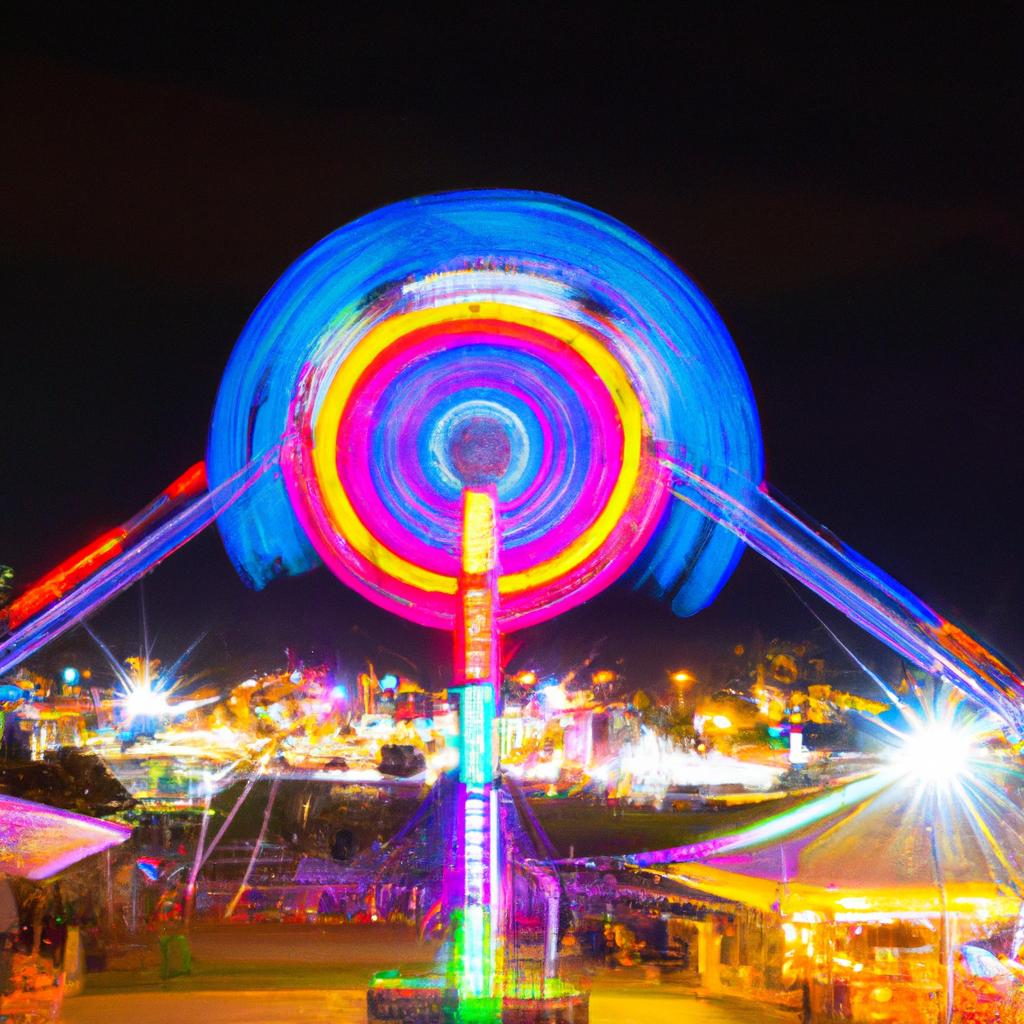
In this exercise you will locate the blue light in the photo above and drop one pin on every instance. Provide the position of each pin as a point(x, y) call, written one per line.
point(388, 682)
point(70, 675)
point(149, 867)
point(668, 338)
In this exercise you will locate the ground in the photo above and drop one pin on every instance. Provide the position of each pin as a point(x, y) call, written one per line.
point(349, 1005)
point(274, 974)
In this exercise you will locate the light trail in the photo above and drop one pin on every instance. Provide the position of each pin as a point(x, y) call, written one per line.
point(860, 590)
point(130, 565)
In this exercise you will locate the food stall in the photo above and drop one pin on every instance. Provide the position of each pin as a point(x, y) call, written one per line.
point(873, 916)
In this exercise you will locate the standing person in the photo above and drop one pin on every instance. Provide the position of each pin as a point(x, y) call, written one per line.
point(35, 908)
point(54, 928)
point(9, 927)
point(170, 922)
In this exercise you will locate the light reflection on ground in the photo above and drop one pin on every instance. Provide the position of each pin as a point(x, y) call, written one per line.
point(349, 1007)
point(277, 974)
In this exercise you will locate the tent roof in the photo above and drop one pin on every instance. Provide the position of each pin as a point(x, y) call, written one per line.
point(906, 847)
point(37, 841)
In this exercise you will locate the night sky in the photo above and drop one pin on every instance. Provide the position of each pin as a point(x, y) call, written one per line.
point(844, 185)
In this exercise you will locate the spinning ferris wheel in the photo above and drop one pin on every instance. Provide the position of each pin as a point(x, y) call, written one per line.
point(479, 409)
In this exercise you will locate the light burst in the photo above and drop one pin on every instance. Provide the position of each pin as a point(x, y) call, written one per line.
point(944, 742)
point(960, 779)
point(145, 687)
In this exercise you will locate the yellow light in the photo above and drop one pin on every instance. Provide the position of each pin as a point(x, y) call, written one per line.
point(478, 559)
point(478, 533)
point(527, 678)
point(805, 917)
point(853, 903)
point(591, 350)
point(681, 677)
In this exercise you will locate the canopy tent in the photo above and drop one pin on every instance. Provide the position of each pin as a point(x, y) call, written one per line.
point(37, 841)
point(788, 898)
point(908, 849)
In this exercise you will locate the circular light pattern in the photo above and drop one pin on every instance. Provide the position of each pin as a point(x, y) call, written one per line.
point(503, 339)
point(383, 517)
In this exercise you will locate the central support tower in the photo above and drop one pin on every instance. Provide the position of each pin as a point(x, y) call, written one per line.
point(474, 891)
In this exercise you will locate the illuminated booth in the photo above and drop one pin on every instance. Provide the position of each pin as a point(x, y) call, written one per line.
point(872, 913)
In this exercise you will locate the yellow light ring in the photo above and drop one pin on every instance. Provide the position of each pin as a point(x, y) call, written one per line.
point(329, 417)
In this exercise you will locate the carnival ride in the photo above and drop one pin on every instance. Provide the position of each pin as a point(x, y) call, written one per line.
point(478, 409)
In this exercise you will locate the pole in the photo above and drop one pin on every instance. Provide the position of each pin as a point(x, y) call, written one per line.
point(226, 824)
point(796, 737)
point(109, 878)
point(478, 677)
point(551, 936)
point(256, 849)
point(945, 937)
point(190, 889)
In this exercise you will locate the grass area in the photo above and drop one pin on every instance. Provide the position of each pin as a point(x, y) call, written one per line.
point(274, 957)
point(368, 813)
point(244, 978)
point(592, 830)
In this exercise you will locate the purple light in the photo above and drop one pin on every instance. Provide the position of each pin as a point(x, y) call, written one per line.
point(37, 841)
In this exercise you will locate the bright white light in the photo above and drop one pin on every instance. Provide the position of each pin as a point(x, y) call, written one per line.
point(721, 722)
point(655, 765)
point(554, 697)
point(937, 753)
point(145, 702)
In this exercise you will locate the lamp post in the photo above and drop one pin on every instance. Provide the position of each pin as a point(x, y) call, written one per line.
point(682, 681)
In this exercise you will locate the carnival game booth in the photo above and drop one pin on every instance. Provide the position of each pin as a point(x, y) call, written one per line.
point(897, 908)
point(36, 843)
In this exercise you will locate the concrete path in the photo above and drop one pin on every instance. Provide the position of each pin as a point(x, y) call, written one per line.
point(290, 974)
point(349, 1007)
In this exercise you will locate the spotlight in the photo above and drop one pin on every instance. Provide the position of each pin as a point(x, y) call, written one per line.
point(145, 702)
point(937, 753)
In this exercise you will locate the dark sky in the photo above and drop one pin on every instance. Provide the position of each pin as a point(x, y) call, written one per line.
point(844, 184)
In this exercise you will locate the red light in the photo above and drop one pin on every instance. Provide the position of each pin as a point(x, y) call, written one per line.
point(191, 482)
point(68, 574)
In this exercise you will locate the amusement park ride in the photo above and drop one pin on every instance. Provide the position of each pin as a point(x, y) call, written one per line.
point(479, 409)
